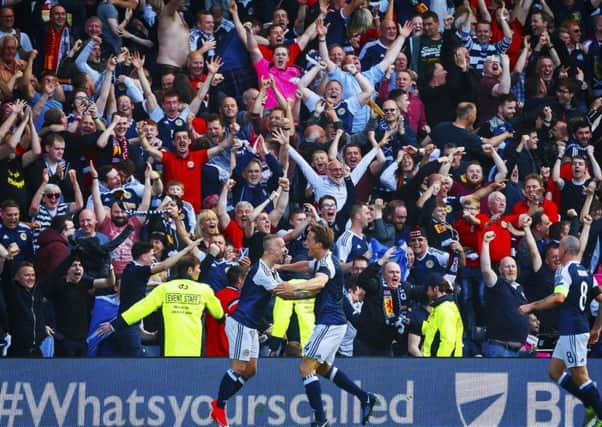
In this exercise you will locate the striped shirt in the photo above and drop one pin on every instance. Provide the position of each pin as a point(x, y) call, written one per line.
point(479, 53)
point(44, 218)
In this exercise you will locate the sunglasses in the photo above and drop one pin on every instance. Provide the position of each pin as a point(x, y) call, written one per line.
point(53, 195)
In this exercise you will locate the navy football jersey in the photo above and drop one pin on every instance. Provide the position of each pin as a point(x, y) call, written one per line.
point(255, 294)
point(329, 302)
point(574, 281)
point(349, 246)
point(433, 261)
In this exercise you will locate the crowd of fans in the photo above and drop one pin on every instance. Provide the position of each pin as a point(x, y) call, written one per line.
point(450, 145)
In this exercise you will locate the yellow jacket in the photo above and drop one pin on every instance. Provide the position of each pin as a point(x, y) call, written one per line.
point(182, 303)
point(443, 329)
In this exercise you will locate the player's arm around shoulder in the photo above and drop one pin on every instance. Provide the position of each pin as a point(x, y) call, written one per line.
point(302, 289)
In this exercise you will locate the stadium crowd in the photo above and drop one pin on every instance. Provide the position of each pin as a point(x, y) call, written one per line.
point(449, 145)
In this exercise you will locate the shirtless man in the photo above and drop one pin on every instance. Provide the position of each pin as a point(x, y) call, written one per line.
point(173, 36)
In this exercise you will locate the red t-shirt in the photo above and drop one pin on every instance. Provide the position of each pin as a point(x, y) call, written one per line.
point(293, 53)
point(216, 341)
point(517, 39)
point(500, 246)
point(470, 237)
point(188, 171)
point(235, 234)
point(549, 208)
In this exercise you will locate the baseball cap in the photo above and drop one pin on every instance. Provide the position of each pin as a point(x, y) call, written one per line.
point(418, 232)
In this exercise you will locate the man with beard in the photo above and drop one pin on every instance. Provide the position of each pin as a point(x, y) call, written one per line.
point(473, 179)
point(581, 139)
point(501, 122)
point(117, 219)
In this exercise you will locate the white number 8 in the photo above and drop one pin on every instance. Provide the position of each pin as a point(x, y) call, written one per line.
point(583, 297)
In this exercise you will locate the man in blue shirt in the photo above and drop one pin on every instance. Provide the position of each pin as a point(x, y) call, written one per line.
point(353, 243)
point(16, 237)
point(331, 324)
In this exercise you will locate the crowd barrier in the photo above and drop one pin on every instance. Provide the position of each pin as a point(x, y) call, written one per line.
point(177, 392)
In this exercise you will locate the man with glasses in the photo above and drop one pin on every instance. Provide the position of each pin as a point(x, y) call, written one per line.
point(565, 106)
point(7, 27)
point(428, 260)
point(394, 121)
point(55, 40)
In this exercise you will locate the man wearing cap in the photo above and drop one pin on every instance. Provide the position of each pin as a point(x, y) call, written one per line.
point(428, 260)
point(507, 330)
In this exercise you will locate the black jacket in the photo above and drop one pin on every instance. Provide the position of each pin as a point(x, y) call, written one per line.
point(26, 316)
point(371, 327)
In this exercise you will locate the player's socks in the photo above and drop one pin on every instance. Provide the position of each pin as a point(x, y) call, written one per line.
point(314, 395)
point(567, 383)
point(591, 397)
point(343, 381)
point(231, 383)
